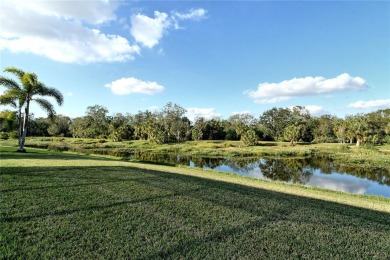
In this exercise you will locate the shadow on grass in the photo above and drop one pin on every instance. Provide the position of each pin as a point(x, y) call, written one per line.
point(215, 214)
point(34, 153)
point(266, 144)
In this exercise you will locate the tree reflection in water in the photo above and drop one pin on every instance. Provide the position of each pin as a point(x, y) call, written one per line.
point(288, 170)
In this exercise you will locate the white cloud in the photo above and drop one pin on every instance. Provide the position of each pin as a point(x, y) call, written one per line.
point(126, 86)
point(194, 14)
point(149, 31)
point(271, 100)
point(94, 12)
point(315, 110)
point(277, 92)
point(58, 30)
point(328, 182)
point(207, 113)
point(371, 104)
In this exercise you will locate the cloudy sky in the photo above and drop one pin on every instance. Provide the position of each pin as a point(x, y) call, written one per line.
point(214, 58)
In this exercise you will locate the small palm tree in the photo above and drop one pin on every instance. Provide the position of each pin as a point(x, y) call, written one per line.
point(20, 96)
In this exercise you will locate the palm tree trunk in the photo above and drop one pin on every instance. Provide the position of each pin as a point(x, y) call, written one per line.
point(20, 129)
point(25, 125)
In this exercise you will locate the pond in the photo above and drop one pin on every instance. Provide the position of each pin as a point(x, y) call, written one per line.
point(318, 172)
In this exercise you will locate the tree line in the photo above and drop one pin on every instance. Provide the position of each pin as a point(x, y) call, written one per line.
point(170, 125)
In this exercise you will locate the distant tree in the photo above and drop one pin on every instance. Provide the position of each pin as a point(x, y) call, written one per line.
point(340, 130)
point(324, 129)
point(214, 130)
point(38, 126)
point(293, 133)
point(359, 128)
point(300, 118)
point(377, 121)
point(174, 123)
point(198, 129)
point(276, 120)
point(241, 123)
point(138, 122)
point(79, 127)
point(60, 126)
point(98, 121)
point(21, 95)
point(120, 128)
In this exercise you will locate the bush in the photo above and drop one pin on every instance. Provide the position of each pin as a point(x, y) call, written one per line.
point(13, 134)
point(4, 135)
point(249, 138)
point(344, 148)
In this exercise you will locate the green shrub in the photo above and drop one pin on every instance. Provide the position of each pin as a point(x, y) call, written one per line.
point(249, 138)
point(4, 135)
point(13, 134)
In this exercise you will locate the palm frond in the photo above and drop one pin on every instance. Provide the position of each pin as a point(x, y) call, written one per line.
point(51, 92)
point(9, 83)
point(47, 106)
point(7, 99)
point(17, 72)
point(30, 82)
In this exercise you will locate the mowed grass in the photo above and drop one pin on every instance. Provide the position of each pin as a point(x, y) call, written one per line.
point(58, 205)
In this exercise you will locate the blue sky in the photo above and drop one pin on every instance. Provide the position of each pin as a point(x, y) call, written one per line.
point(214, 58)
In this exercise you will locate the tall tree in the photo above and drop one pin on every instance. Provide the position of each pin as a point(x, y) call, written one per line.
point(120, 128)
point(241, 123)
point(21, 95)
point(175, 124)
point(276, 120)
point(198, 129)
point(60, 126)
point(324, 129)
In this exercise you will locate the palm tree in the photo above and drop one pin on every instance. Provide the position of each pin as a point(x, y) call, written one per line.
point(21, 95)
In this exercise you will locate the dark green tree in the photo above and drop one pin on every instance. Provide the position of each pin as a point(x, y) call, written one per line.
point(276, 120)
point(60, 126)
point(120, 128)
point(38, 126)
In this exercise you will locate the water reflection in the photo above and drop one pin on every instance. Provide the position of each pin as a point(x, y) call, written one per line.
point(340, 184)
point(319, 172)
point(286, 170)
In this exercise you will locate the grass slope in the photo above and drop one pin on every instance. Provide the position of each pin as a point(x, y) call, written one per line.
point(57, 205)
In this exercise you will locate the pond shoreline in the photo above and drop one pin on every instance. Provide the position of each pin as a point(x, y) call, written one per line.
point(343, 153)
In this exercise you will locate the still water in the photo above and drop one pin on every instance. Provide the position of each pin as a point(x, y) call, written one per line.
point(318, 172)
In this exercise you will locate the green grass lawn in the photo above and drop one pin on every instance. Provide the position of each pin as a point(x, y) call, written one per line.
point(59, 205)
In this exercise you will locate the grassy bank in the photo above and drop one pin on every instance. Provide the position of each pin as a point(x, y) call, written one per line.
point(346, 153)
point(60, 205)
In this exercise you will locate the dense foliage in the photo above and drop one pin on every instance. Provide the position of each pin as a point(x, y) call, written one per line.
point(170, 125)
